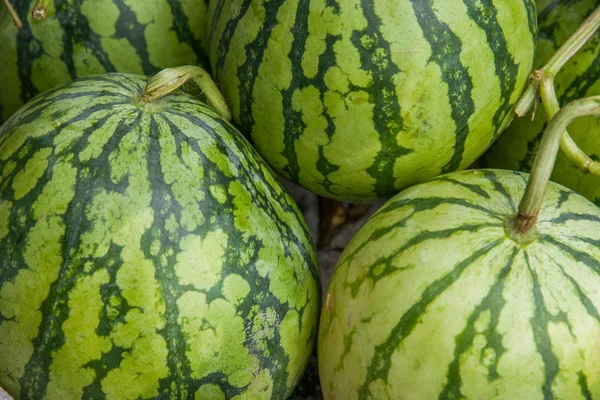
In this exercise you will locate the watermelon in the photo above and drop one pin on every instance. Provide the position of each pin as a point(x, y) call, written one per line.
point(358, 100)
point(87, 37)
point(580, 77)
point(146, 251)
point(435, 298)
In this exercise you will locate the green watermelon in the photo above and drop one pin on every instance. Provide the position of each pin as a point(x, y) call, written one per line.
point(87, 37)
point(517, 146)
point(356, 100)
point(146, 251)
point(433, 299)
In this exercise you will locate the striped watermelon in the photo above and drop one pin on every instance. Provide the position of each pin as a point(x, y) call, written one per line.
point(357, 100)
point(580, 77)
point(86, 37)
point(147, 251)
point(432, 299)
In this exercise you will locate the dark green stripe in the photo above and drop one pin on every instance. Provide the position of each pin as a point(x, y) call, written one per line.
point(333, 4)
point(72, 20)
point(128, 27)
point(381, 361)
point(250, 178)
point(419, 205)
point(248, 72)
point(376, 58)
point(108, 361)
point(222, 381)
point(111, 262)
point(183, 104)
point(181, 26)
point(228, 33)
point(428, 203)
point(293, 124)
point(476, 189)
point(545, 30)
point(213, 22)
point(568, 216)
point(582, 84)
point(485, 15)
point(593, 242)
point(539, 326)
point(29, 49)
point(446, 48)
point(416, 240)
point(532, 148)
point(492, 302)
point(46, 140)
point(564, 196)
point(21, 217)
point(583, 385)
point(532, 20)
point(500, 188)
point(588, 304)
point(552, 26)
point(179, 384)
point(581, 257)
point(37, 106)
point(327, 60)
point(547, 22)
point(348, 340)
point(111, 360)
point(130, 86)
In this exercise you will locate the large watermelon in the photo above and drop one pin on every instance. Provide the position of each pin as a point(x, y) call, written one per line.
point(86, 37)
point(146, 251)
point(516, 148)
point(433, 299)
point(359, 99)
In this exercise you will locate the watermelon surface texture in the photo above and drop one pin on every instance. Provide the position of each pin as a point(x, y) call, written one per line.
point(87, 37)
point(433, 300)
point(357, 100)
point(580, 77)
point(146, 252)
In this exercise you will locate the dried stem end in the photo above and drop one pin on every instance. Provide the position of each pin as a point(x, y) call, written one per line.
point(521, 228)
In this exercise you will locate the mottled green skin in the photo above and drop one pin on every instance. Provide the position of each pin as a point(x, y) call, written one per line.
point(358, 100)
point(433, 300)
point(87, 37)
point(146, 254)
point(580, 77)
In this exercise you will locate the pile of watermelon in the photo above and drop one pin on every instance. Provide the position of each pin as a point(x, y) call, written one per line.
point(150, 248)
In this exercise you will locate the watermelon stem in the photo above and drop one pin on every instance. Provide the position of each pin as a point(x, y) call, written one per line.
point(40, 10)
point(530, 205)
point(13, 14)
point(170, 79)
point(527, 98)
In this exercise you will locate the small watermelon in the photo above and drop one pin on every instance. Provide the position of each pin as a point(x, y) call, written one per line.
point(357, 100)
point(580, 77)
point(433, 299)
point(87, 37)
point(146, 251)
